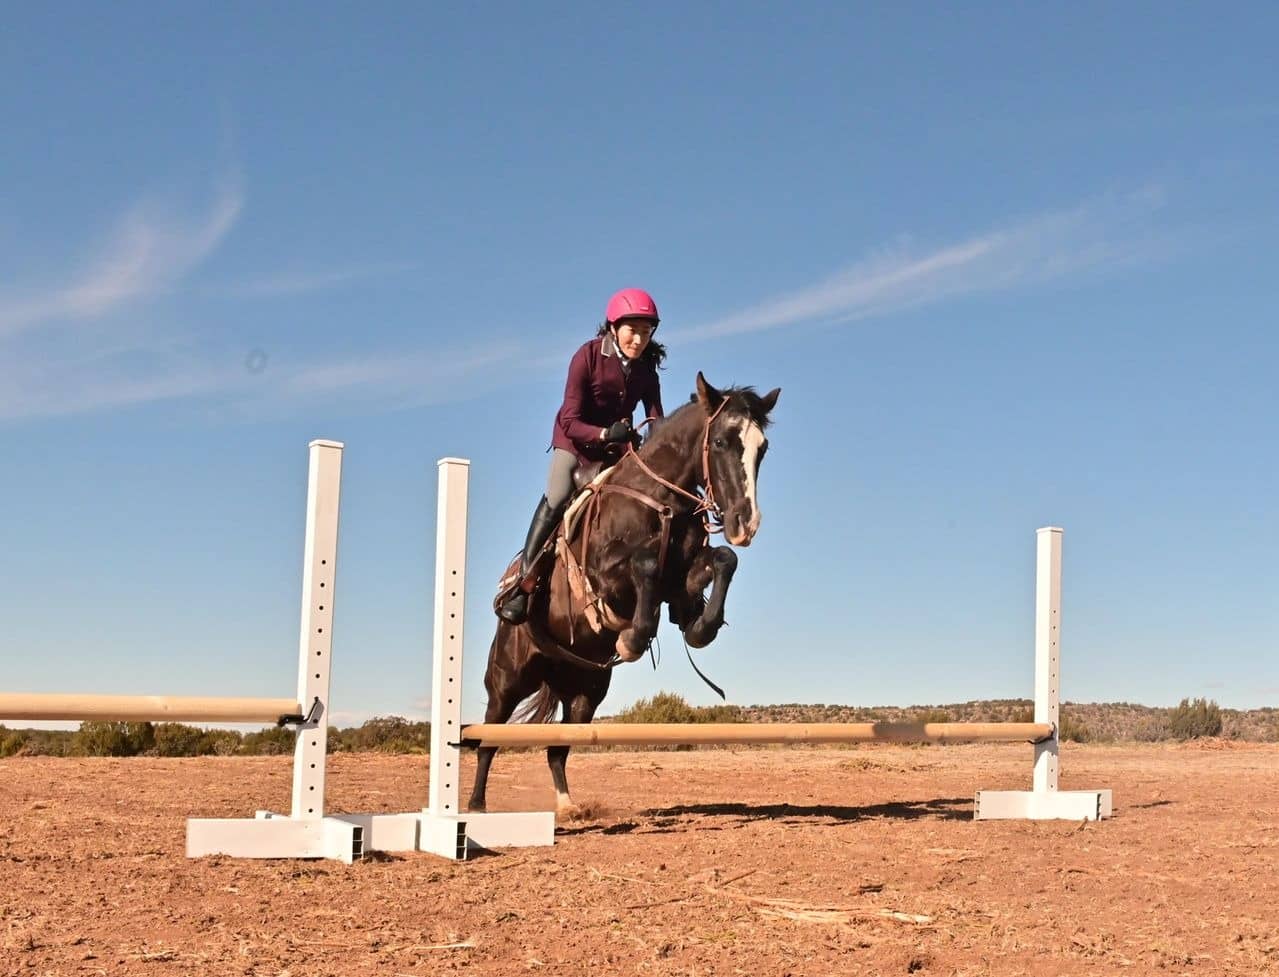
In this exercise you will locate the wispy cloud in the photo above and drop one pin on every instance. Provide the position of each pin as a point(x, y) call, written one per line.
point(90, 340)
point(386, 380)
point(298, 282)
point(1110, 233)
point(148, 251)
point(52, 362)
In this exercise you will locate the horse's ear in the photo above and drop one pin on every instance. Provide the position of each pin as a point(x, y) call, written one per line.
point(708, 395)
point(770, 399)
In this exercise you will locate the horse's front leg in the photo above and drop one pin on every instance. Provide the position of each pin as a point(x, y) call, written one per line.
point(634, 641)
point(715, 565)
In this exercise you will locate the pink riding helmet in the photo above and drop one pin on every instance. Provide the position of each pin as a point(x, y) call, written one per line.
point(631, 303)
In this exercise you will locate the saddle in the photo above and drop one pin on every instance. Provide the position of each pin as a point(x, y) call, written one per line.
point(587, 478)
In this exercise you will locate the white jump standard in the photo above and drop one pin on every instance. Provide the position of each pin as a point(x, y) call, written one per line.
point(1044, 801)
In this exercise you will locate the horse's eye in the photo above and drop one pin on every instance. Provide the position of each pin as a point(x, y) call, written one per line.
point(718, 442)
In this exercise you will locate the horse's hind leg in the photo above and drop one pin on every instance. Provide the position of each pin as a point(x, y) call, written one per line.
point(719, 563)
point(579, 709)
point(500, 709)
point(508, 686)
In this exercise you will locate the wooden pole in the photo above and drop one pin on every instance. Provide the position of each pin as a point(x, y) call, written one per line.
point(654, 734)
point(137, 708)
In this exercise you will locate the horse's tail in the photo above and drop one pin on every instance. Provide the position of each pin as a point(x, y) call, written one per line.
point(537, 708)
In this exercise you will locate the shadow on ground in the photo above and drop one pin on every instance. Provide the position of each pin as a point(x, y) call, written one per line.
point(685, 817)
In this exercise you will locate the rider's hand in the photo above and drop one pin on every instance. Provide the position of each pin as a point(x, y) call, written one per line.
point(618, 432)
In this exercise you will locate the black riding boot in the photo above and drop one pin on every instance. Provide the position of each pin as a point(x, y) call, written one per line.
point(515, 609)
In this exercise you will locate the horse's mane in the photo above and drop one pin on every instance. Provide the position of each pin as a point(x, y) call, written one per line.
point(741, 401)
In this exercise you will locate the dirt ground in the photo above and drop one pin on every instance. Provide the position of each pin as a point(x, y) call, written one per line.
point(753, 861)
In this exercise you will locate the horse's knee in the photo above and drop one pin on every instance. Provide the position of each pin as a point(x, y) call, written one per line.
point(724, 559)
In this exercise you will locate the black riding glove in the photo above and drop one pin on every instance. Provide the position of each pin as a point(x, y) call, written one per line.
point(618, 432)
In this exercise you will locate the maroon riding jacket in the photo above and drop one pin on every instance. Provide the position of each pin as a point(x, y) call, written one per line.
point(599, 392)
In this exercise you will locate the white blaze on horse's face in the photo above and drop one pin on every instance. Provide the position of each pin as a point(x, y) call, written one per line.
point(753, 441)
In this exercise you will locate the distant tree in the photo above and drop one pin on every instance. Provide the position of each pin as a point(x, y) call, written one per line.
point(1193, 719)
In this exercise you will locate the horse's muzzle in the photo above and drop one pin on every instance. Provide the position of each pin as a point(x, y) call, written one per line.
point(741, 524)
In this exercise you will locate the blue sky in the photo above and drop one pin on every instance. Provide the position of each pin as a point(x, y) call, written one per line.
point(1011, 266)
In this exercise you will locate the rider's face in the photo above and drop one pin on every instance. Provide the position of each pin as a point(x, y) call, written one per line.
point(633, 336)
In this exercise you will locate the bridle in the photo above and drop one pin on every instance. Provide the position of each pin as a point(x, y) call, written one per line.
point(705, 504)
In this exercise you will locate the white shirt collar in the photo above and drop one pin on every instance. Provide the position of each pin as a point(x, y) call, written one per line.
point(609, 348)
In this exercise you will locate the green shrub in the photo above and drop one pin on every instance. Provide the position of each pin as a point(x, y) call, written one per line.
point(276, 741)
point(933, 715)
point(11, 742)
point(113, 739)
point(1154, 729)
point(179, 739)
point(385, 734)
point(221, 742)
point(1191, 720)
point(1072, 730)
point(667, 707)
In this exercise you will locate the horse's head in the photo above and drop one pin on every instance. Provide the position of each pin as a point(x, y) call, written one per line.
point(735, 446)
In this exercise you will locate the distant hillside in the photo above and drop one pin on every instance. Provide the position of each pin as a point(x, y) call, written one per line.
point(1095, 721)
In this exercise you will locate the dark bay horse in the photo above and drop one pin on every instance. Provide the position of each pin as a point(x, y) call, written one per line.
point(646, 543)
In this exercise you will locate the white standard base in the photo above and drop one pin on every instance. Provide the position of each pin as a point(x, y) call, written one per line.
point(348, 837)
point(274, 836)
point(1050, 805)
point(456, 836)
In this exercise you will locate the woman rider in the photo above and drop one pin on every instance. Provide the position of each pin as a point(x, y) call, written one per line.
point(607, 377)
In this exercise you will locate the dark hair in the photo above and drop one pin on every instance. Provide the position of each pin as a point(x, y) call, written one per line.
point(654, 352)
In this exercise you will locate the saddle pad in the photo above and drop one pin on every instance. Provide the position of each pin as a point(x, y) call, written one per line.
point(573, 514)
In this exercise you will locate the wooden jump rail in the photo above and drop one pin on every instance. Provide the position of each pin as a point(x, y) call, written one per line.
point(141, 708)
point(693, 734)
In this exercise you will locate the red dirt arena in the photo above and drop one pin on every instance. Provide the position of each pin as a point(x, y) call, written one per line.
point(806, 862)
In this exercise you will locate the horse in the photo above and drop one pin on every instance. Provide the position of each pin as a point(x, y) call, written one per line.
point(643, 541)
